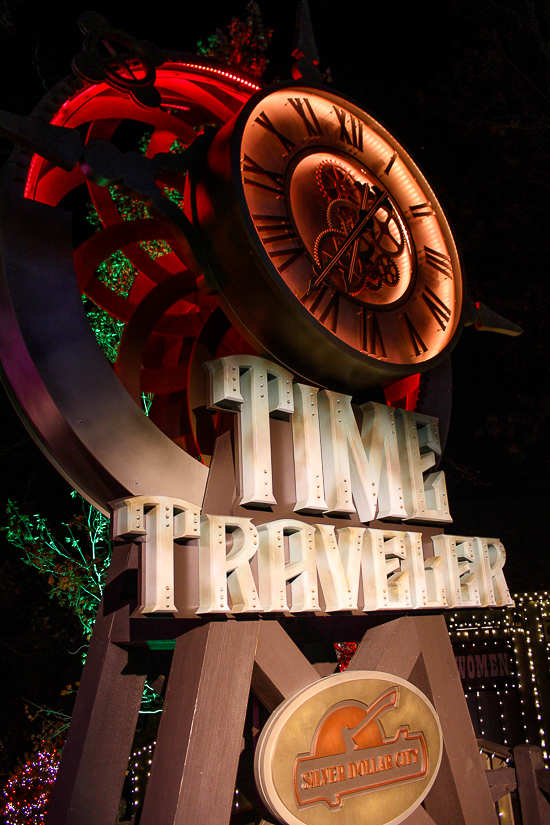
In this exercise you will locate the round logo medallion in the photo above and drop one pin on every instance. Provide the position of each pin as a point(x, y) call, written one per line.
point(351, 749)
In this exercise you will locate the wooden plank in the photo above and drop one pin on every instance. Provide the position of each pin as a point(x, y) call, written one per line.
point(95, 757)
point(280, 668)
point(199, 741)
point(543, 779)
point(392, 647)
point(419, 817)
point(496, 748)
point(498, 791)
point(461, 770)
point(501, 776)
point(535, 810)
point(501, 782)
point(418, 649)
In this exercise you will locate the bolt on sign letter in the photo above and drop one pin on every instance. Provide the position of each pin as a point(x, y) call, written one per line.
point(365, 464)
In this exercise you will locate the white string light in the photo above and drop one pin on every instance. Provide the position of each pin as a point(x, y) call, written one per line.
point(523, 628)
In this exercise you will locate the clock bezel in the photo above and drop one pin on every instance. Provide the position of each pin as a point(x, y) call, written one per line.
point(253, 293)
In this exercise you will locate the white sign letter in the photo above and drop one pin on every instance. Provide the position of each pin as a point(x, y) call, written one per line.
point(163, 520)
point(215, 562)
point(274, 573)
point(360, 468)
point(308, 464)
point(393, 570)
point(259, 389)
point(339, 565)
point(425, 497)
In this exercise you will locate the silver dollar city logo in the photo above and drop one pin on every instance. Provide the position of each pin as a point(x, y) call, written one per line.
point(351, 754)
point(354, 748)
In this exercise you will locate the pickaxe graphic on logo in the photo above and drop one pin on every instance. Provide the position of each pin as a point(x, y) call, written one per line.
point(351, 754)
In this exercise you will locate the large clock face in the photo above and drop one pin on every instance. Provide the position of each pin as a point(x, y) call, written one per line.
point(347, 229)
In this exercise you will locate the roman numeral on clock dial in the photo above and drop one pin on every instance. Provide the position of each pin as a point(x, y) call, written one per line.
point(275, 184)
point(263, 120)
point(305, 110)
point(438, 261)
point(439, 310)
point(372, 342)
point(422, 210)
point(329, 312)
point(289, 256)
point(273, 228)
point(390, 163)
point(414, 336)
point(351, 132)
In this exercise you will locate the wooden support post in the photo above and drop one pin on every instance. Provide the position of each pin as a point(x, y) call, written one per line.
point(535, 810)
point(418, 649)
point(280, 668)
point(419, 817)
point(199, 741)
point(95, 757)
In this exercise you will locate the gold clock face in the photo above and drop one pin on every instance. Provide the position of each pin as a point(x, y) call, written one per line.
point(350, 226)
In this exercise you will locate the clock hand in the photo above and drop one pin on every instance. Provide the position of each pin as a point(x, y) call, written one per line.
point(354, 233)
point(356, 242)
point(105, 164)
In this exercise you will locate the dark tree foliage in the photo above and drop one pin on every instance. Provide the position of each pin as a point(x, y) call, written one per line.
point(243, 45)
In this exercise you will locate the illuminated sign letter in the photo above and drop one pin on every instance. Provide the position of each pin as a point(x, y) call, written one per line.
point(216, 562)
point(259, 389)
point(274, 572)
point(393, 570)
point(339, 565)
point(360, 469)
point(162, 521)
point(472, 568)
point(425, 495)
point(308, 462)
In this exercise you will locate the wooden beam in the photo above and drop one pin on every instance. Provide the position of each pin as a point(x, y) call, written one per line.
point(199, 741)
point(95, 757)
point(384, 648)
point(501, 781)
point(280, 668)
point(418, 649)
point(461, 770)
point(419, 817)
point(528, 760)
point(543, 779)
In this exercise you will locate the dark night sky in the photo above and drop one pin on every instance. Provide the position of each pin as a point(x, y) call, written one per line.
point(465, 87)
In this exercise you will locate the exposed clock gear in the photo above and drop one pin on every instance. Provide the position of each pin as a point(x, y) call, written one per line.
point(342, 214)
point(355, 272)
point(336, 182)
point(390, 237)
point(387, 269)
